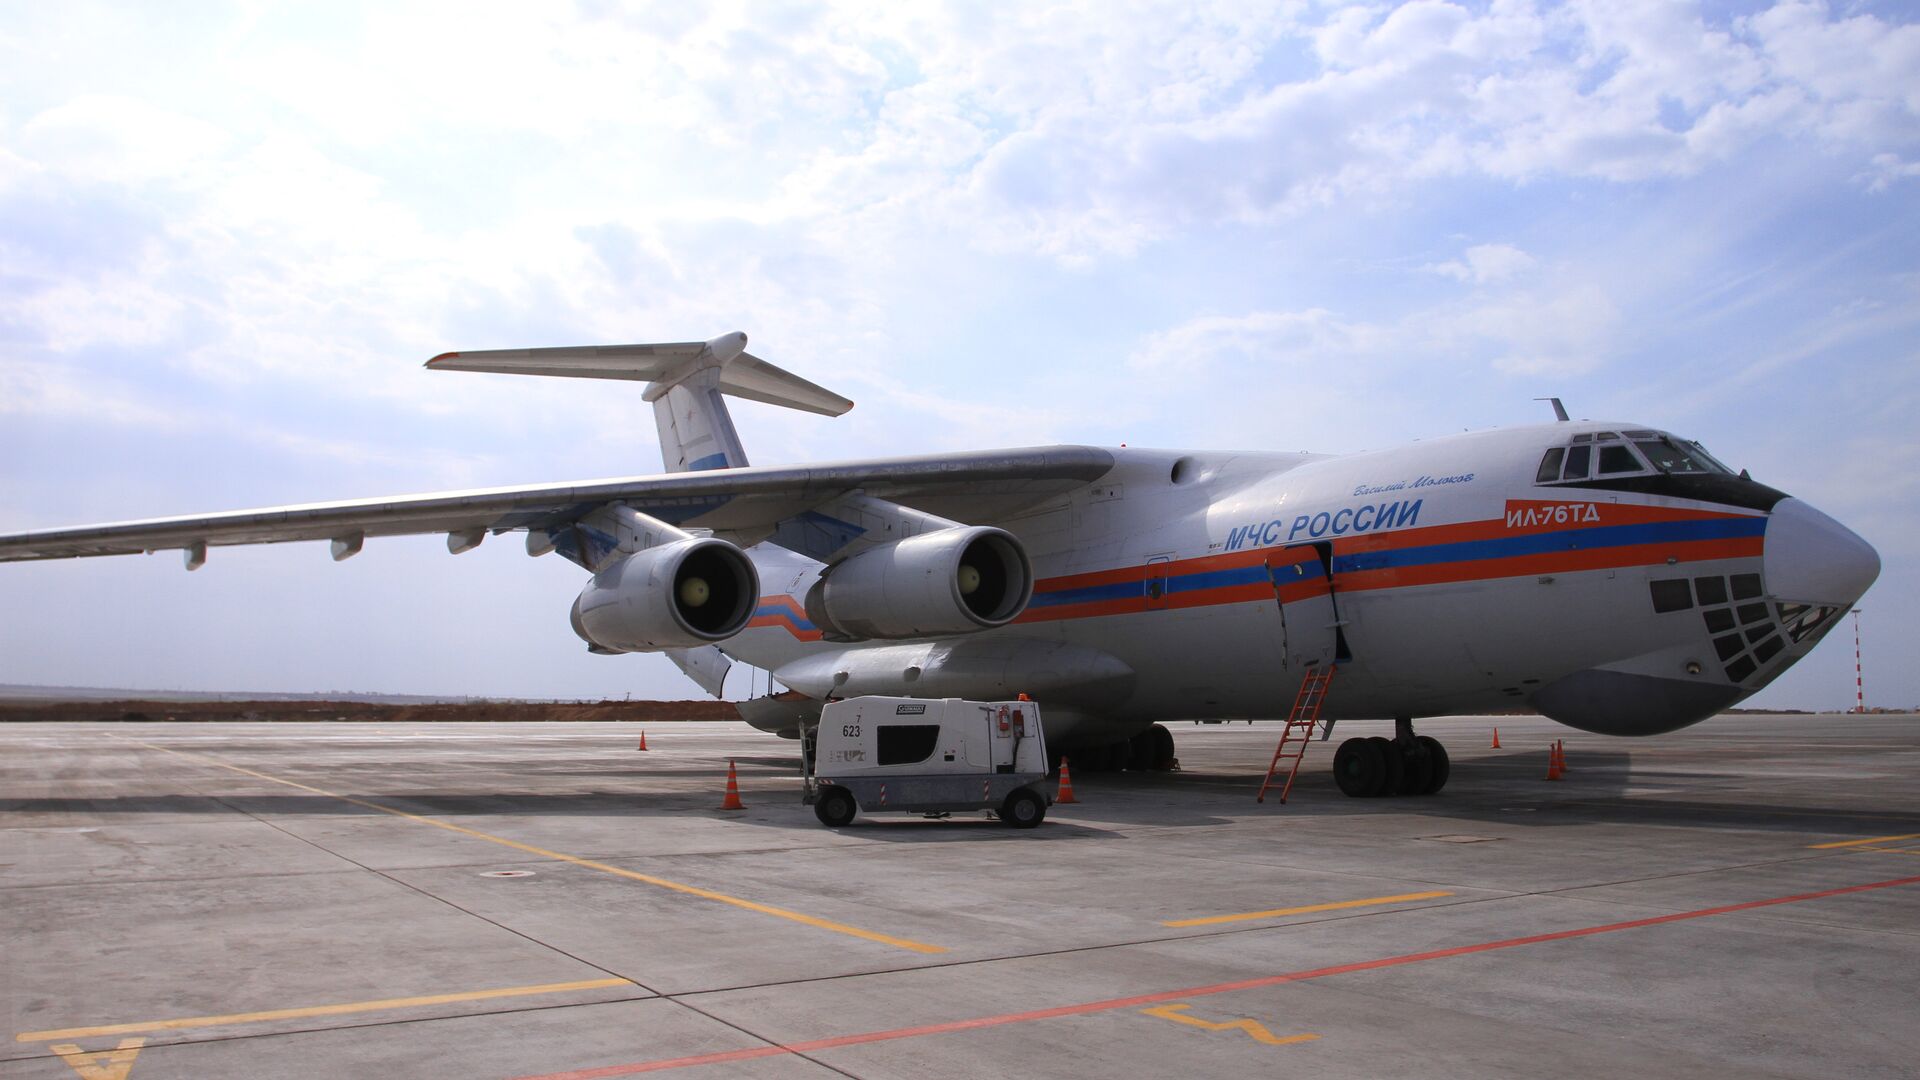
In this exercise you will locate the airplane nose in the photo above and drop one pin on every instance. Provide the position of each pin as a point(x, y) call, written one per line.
point(1811, 558)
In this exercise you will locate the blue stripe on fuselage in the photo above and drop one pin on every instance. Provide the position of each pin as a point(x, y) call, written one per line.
point(1604, 536)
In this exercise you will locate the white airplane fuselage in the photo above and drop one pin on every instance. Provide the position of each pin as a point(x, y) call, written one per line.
point(1441, 577)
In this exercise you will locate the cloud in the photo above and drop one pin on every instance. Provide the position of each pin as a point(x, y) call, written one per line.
point(1484, 263)
point(1561, 332)
point(61, 391)
point(1274, 340)
point(1887, 170)
point(111, 137)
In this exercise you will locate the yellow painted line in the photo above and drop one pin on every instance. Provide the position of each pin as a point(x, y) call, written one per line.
point(1214, 920)
point(318, 1010)
point(630, 875)
point(1254, 1028)
point(1863, 843)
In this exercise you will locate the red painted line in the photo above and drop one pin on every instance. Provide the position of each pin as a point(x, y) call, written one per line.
point(1110, 1004)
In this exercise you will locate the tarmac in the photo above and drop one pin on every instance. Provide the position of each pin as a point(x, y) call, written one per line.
point(1741, 898)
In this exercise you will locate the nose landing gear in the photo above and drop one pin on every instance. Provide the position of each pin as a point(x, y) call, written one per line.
point(1406, 764)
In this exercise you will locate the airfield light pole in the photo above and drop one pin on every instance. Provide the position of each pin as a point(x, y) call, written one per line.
point(1859, 691)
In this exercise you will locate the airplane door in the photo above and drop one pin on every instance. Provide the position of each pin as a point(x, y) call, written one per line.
point(1303, 586)
point(1155, 585)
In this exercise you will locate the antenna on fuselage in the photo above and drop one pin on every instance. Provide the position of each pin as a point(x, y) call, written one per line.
point(1559, 410)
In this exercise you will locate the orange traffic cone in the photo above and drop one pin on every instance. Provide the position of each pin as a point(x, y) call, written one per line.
point(1553, 763)
point(643, 738)
point(1495, 746)
point(732, 801)
point(1560, 747)
point(1066, 786)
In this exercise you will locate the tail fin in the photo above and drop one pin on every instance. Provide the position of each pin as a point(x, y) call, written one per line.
point(686, 381)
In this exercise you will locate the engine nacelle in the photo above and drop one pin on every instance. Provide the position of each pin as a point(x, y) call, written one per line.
point(675, 596)
point(951, 581)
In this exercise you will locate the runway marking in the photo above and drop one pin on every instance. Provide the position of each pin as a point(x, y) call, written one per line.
point(590, 864)
point(1164, 997)
point(112, 1064)
point(1253, 1028)
point(1863, 843)
point(1274, 913)
point(318, 1010)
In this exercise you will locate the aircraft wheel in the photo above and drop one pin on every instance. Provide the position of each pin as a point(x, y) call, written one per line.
point(1023, 809)
point(835, 807)
point(1436, 754)
point(1359, 768)
point(1417, 776)
point(1162, 757)
point(1140, 751)
point(1394, 764)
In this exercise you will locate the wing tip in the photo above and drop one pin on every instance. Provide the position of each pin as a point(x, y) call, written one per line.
point(443, 356)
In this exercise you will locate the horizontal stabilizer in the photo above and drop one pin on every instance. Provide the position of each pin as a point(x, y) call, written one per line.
point(742, 374)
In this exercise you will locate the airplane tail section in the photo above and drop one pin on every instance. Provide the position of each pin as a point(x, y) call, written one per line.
point(686, 383)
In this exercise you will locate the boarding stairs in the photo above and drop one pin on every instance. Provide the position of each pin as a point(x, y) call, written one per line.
point(1299, 731)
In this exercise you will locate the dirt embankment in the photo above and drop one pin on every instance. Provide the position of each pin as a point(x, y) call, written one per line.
point(359, 711)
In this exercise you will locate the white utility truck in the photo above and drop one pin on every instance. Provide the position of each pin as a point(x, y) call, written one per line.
point(927, 756)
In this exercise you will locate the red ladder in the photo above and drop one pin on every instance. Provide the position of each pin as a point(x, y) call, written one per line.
point(1300, 725)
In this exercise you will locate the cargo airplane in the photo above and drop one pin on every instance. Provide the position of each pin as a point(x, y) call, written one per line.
point(1610, 575)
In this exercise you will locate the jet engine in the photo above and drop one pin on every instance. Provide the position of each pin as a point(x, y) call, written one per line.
point(675, 596)
point(950, 581)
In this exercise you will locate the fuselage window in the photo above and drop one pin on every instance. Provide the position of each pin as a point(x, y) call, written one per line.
point(1615, 458)
point(1578, 460)
point(1550, 466)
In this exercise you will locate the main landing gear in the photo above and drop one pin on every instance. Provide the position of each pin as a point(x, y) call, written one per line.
point(1149, 751)
point(1406, 764)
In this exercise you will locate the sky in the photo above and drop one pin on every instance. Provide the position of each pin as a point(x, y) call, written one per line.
point(230, 234)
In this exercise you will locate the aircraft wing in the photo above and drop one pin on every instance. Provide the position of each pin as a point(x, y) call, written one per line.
point(979, 486)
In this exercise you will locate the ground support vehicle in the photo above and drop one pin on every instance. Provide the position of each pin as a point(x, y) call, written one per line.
point(927, 756)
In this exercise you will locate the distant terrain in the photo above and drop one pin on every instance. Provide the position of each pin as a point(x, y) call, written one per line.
point(59, 703)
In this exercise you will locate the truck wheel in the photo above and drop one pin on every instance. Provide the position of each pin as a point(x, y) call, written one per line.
point(835, 807)
point(1023, 809)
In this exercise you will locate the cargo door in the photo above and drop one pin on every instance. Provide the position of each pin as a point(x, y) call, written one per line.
point(1309, 614)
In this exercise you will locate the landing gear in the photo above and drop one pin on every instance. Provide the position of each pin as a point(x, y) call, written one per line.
point(1407, 764)
point(1149, 751)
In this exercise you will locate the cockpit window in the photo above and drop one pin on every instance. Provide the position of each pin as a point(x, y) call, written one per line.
point(1579, 458)
point(1671, 455)
point(1616, 459)
point(1550, 466)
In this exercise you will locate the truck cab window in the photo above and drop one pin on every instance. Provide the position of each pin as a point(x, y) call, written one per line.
point(905, 744)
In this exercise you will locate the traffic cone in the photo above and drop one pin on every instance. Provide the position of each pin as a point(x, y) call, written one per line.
point(1553, 763)
point(1066, 786)
point(732, 801)
point(643, 738)
point(1495, 746)
point(1560, 745)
